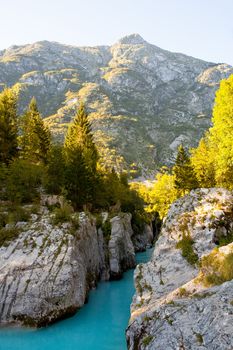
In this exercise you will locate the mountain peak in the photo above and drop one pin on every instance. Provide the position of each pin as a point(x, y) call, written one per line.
point(132, 39)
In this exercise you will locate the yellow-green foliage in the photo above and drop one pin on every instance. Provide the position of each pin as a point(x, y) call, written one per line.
point(159, 196)
point(216, 268)
point(163, 194)
point(202, 160)
point(222, 133)
point(213, 158)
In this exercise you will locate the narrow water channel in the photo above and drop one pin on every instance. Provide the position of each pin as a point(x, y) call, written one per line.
point(99, 325)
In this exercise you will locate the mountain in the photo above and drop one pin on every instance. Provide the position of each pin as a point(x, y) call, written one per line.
point(143, 101)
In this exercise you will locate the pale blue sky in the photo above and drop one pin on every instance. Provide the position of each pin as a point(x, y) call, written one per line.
point(201, 28)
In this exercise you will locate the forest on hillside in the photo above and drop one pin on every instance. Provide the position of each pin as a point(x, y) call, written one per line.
point(31, 163)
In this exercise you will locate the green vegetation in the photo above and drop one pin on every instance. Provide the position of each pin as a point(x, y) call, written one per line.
point(224, 240)
point(23, 181)
point(62, 214)
point(34, 140)
point(213, 158)
point(30, 165)
point(8, 234)
point(185, 179)
point(209, 165)
point(183, 292)
point(199, 338)
point(185, 244)
point(8, 126)
point(147, 340)
point(216, 268)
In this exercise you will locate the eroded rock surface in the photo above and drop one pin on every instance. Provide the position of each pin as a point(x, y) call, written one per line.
point(47, 271)
point(173, 308)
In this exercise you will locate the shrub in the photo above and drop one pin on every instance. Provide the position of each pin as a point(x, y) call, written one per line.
point(17, 213)
point(146, 341)
point(106, 228)
point(185, 244)
point(226, 240)
point(183, 292)
point(216, 268)
point(7, 235)
point(62, 214)
point(3, 219)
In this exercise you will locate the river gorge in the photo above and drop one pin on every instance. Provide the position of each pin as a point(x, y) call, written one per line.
point(99, 325)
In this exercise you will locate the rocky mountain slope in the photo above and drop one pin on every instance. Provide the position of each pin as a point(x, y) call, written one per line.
point(47, 271)
point(184, 295)
point(143, 100)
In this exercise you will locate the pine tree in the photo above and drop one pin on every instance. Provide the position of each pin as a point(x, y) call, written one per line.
point(8, 125)
point(77, 179)
point(79, 135)
point(35, 140)
point(55, 170)
point(185, 178)
point(81, 160)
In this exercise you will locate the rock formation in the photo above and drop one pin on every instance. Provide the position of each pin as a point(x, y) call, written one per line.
point(47, 271)
point(182, 301)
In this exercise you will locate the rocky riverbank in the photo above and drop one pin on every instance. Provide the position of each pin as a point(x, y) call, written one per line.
point(184, 297)
point(47, 271)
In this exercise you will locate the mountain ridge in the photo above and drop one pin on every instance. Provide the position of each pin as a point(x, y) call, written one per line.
point(142, 100)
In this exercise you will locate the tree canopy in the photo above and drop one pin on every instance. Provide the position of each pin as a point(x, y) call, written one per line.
point(8, 125)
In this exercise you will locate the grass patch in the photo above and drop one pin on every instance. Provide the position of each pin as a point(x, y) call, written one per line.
point(185, 244)
point(226, 240)
point(7, 235)
point(62, 214)
point(216, 268)
point(147, 340)
point(183, 292)
point(199, 338)
point(18, 214)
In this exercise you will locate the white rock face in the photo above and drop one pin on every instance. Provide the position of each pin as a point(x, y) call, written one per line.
point(121, 249)
point(172, 309)
point(46, 273)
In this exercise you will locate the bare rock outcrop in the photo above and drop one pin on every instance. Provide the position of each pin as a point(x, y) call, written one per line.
point(184, 295)
point(47, 271)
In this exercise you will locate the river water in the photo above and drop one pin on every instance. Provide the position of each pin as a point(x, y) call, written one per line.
point(99, 325)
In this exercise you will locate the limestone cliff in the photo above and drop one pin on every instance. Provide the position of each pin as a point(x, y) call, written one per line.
point(47, 271)
point(184, 294)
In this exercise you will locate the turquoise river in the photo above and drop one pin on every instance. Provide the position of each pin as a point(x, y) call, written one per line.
point(99, 325)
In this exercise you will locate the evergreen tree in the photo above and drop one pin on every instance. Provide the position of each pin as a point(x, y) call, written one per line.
point(185, 178)
point(81, 160)
point(79, 135)
point(8, 125)
point(35, 139)
point(77, 179)
point(55, 170)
